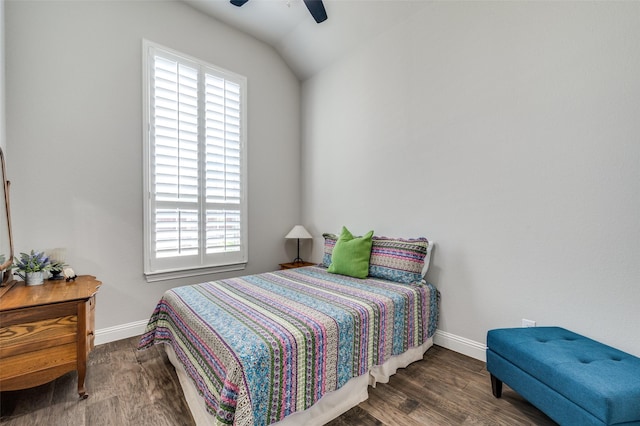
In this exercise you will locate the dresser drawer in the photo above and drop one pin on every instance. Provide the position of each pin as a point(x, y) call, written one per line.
point(37, 367)
point(32, 336)
point(38, 313)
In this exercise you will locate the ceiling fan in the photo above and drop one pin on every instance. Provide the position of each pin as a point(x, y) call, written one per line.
point(316, 8)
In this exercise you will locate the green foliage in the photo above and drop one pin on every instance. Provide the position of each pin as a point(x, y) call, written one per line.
point(56, 267)
point(33, 262)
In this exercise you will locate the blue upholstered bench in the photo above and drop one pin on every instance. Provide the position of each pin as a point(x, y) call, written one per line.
point(572, 379)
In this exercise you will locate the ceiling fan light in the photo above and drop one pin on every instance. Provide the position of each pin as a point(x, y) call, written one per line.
point(316, 8)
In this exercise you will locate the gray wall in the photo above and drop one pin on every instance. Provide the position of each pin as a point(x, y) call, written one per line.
point(508, 132)
point(74, 137)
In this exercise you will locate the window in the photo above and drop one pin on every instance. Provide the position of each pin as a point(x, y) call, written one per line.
point(195, 162)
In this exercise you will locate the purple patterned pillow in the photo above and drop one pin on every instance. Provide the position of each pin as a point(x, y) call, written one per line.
point(329, 244)
point(394, 259)
point(398, 259)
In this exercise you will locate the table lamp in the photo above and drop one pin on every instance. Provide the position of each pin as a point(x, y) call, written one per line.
point(298, 232)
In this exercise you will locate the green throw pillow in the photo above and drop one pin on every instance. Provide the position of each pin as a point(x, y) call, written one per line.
point(351, 255)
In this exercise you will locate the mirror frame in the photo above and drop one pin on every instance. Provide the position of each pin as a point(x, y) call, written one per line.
point(6, 278)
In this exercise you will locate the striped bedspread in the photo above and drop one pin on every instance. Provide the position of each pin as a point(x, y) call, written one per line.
point(261, 347)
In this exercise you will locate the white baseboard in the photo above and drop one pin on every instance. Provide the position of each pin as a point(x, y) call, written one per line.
point(119, 332)
point(450, 341)
point(461, 345)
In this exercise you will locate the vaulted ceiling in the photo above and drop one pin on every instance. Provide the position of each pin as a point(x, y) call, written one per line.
point(305, 45)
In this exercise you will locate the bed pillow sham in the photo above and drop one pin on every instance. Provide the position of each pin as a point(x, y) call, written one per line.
point(329, 243)
point(351, 254)
point(395, 259)
point(398, 259)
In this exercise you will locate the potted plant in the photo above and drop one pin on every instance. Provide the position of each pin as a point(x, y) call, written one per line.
point(34, 266)
point(56, 269)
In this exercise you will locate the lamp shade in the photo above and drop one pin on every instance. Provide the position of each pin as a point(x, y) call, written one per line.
point(299, 232)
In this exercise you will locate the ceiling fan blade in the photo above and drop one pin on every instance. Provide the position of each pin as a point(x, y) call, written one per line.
point(238, 2)
point(316, 8)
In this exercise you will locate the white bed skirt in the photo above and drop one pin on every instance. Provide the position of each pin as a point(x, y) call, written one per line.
point(327, 408)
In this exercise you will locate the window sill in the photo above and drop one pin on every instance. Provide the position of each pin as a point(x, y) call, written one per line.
point(192, 272)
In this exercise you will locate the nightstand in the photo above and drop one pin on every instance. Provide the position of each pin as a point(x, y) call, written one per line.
point(292, 265)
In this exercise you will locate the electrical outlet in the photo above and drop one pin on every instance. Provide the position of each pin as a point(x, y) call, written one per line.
point(528, 323)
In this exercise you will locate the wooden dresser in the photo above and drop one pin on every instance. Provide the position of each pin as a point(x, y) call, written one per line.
point(46, 331)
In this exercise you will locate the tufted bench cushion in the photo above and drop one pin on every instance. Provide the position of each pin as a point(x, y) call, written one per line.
point(564, 373)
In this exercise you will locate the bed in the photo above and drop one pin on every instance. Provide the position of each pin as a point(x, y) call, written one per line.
point(291, 347)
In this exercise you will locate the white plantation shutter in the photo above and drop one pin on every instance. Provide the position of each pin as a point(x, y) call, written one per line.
point(195, 215)
point(222, 164)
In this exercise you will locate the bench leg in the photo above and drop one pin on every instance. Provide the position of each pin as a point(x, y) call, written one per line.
point(496, 386)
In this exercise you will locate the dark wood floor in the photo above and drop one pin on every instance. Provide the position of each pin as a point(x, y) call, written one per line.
point(128, 387)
